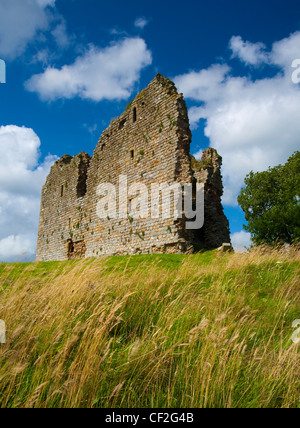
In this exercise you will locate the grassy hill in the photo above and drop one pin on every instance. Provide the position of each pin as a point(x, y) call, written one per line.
point(207, 330)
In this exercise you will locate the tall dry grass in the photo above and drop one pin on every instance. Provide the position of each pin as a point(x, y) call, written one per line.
point(168, 331)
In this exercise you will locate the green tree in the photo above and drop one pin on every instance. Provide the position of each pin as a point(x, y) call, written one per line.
point(271, 203)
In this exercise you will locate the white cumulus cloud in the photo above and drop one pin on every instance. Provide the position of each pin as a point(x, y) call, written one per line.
point(250, 53)
point(21, 179)
point(201, 86)
point(99, 74)
point(20, 20)
point(253, 124)
point(20, 248)
point(241, 240)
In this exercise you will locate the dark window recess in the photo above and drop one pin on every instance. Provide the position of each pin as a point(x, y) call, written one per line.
point(132, 154)
point(102, 147)
point(134, 114)
point(122, 124)
point(76, 250)
point(62, 191)
point(82, 178)
point(70, 249)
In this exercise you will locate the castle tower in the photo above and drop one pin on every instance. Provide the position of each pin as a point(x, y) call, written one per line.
point(149, 143)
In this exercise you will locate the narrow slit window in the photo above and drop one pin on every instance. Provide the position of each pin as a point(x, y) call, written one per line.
point(82, 178)
point(122, 124)
point(132, 154)
point(70, 249)
point(134, 114)
point(102, 147)
point(62, 191)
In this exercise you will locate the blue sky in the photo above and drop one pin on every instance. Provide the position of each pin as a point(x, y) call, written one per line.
point(73, 65)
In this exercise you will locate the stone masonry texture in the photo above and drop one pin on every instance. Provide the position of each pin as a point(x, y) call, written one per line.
point(149, 143)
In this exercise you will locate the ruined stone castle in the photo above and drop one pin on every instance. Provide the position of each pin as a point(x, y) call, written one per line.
point(149, 142)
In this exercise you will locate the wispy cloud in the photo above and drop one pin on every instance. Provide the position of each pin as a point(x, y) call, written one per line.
point(141, 23)
point(61, 36)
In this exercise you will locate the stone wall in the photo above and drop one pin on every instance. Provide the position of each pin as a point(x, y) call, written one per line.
point(61, 208)
point(149, 143)
point(215, 231)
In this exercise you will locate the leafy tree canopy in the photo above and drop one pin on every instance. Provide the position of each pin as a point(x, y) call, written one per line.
point(271, 203)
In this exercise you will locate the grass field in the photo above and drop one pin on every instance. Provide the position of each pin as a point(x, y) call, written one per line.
point(206, 330)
